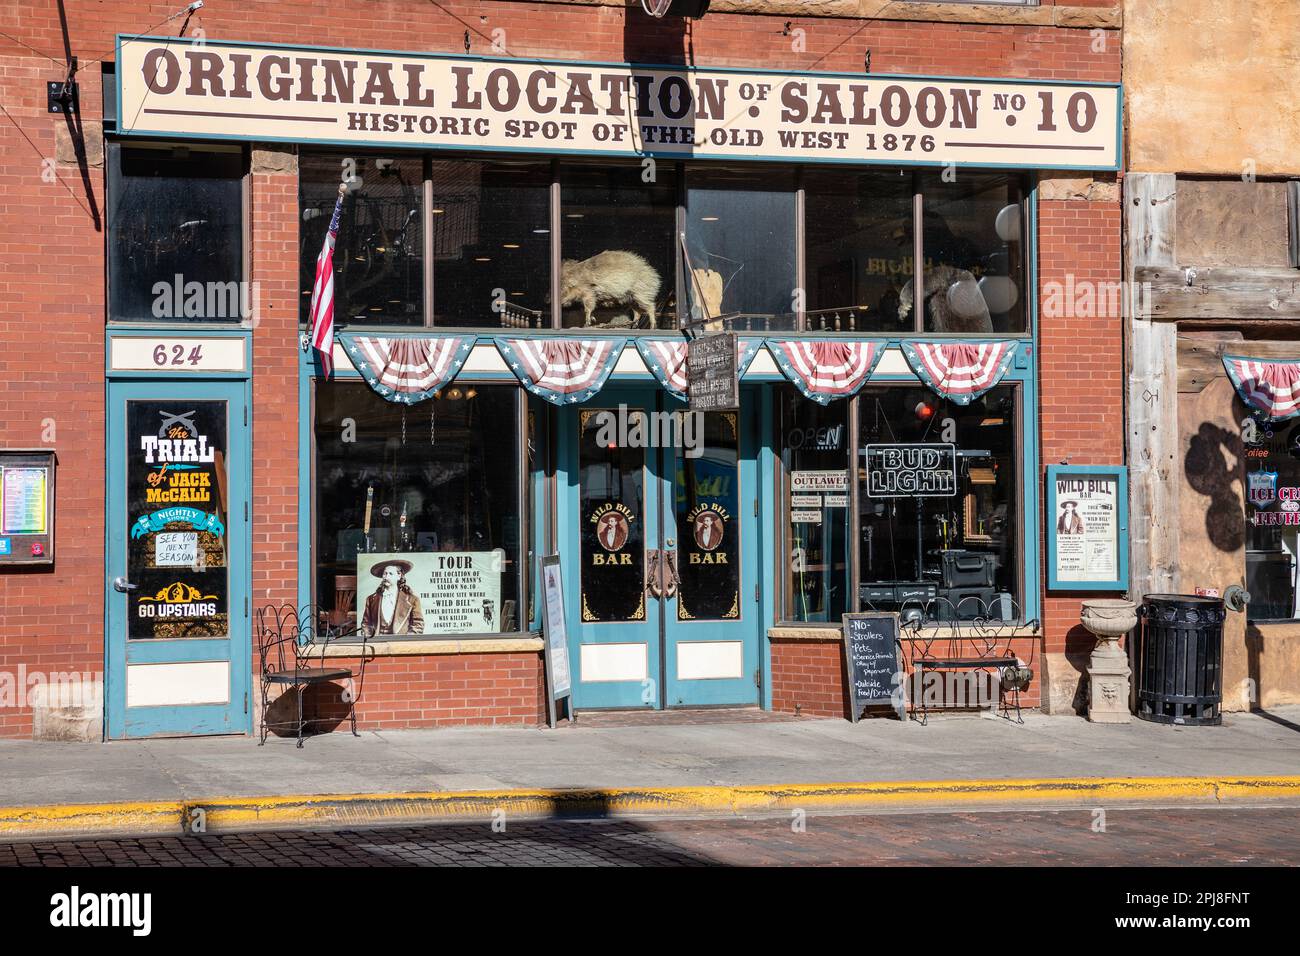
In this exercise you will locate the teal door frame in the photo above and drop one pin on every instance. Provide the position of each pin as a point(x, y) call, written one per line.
point(649, 646)
point(235, 650)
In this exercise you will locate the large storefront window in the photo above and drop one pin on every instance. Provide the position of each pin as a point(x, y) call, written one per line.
point(492, 244)
point(618, 245)
point(740, 233)
point(859, 248)
point(974, 254)
point(1272, 534)
point(816, 441)
point(417, 511)
point(937, 488)
point(379, 254)
point(176, 234)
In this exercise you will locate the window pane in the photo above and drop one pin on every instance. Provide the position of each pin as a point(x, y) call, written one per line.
point(858, 248)
point(175, 217)
point(706, 491)
point(618, 246)
point(378, 257)
point(740, 232)
point(1272, 492)
point(815, 441)
point(974, 254)
point(430, 490)
point(611, 481)
point(953, 552)
point(492, 244)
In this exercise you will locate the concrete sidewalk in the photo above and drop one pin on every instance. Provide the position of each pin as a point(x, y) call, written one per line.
point(710, 763)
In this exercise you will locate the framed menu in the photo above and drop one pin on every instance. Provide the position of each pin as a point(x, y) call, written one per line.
point(26, 506)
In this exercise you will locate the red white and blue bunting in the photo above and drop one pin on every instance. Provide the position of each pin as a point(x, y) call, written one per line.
point(959, 371)
point(826, 369)
point(562, 371)
point(407, 369)
point(666, 360)
point(1270, 388)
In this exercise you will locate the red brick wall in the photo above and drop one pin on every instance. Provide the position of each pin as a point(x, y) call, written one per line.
point(52, 242)
point(808, 676)
point(1082, 366)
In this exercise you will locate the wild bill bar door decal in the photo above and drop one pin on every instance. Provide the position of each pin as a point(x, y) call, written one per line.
point(176, 513)
point(612, 514)
point(707, 493)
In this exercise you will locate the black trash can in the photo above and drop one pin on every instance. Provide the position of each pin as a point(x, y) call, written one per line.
point(1178, 658)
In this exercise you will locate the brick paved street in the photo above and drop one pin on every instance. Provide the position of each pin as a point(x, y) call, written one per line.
point(1210, 836)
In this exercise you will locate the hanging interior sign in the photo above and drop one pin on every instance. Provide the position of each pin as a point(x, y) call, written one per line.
point(917, 470)
point(255, 91)
point(1087, 527)
point(666, 359)
point(177, 549)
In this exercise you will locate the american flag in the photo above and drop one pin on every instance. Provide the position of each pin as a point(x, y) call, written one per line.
point(322, 293)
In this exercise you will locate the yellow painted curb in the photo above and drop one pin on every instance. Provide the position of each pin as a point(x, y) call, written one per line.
point(369, 809)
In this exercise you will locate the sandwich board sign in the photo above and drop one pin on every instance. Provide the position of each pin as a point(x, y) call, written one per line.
point(555, 633)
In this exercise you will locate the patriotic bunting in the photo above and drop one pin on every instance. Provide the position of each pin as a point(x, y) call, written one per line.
point(666, 360)
point(562, 371)
point(407, 370)
point(1272, 388)
point(826, 369)
point(960, 371)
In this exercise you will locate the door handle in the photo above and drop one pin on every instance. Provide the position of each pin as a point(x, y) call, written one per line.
point(671, 577)
point(654, 573)
point(123, 585)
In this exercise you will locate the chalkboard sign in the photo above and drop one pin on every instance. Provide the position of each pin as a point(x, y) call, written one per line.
point(871, 663)
point(713, 382)
point(555, 631)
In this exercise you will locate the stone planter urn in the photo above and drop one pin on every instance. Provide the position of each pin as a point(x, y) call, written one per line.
point(1108, 671)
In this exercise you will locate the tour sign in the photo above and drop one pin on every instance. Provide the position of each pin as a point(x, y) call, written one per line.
point(252, 91)
point(712, 376)
point(911, 471)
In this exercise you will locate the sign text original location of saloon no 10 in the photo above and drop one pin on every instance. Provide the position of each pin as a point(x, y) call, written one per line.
point(172, 87)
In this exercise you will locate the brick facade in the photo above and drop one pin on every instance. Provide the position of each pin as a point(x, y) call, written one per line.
point(52, 239)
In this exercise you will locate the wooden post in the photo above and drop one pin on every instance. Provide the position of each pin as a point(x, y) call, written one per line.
point(1153, 439)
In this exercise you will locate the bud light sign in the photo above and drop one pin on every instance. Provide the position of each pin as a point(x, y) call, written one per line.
point(911, 471)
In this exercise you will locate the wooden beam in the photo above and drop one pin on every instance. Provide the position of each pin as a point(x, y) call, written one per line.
point(1155, 472)
point(1200, 356)
point(1171, 293)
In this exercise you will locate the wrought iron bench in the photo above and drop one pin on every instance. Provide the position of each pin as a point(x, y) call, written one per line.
point(293, 646)
point(941, 645)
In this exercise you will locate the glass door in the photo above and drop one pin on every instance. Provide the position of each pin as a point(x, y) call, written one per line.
point(179, 641)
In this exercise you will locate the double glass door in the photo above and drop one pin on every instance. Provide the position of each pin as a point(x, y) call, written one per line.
point(657, 532)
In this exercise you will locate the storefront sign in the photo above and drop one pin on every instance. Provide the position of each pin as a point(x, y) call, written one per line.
point(1087, 528)
point(712, 373)
point(421, 592)
point(171, 86)
point(818, 481)
point(140, 353)
point(805, 501)
point(911, 471)
point(176, 513)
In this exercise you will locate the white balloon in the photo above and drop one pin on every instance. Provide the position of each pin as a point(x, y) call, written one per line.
point(964, 298)
point(1007, 223)
point(1000, 292)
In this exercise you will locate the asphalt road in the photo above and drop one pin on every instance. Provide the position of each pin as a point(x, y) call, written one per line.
point(1212, 836)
